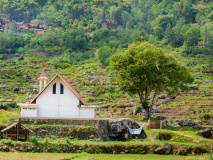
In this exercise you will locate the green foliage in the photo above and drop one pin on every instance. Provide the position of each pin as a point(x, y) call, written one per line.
point(145, 68)
point(81, 26)
point(138, 109)
point(205, 116)
point(192, 37)
point(67, 140)
point(103, 54)
point(33, 139)
point(6, 142)
point(35, 123)
point(179, 128)
point(46, 140)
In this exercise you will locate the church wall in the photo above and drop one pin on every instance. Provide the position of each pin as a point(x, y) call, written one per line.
point(47, 102)
point(68, 103)
point(28, 112)
point(58, 105)
point(87, 113)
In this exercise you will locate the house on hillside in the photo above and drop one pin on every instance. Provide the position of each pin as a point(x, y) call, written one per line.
point(33, 25)
point(40, 32)
point(57, 98)
point(18, 23)
point(42, 27)
point(3, 22)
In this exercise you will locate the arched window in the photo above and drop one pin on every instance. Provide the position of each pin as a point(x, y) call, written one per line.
point(54, 88)
point(62, 89)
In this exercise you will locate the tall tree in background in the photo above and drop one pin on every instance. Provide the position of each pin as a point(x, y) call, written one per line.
point(148, 70)
point(103, 54)
point(192, 37)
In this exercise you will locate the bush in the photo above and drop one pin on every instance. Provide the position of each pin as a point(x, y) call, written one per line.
point(93, 83)
point(35, 123)
point(138, 109)
point(205, 116)
point(46, 140)
point(67, 140)
point(33, 139)
point(6, 142)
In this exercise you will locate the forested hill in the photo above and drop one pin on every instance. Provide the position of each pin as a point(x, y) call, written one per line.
point(78, 28)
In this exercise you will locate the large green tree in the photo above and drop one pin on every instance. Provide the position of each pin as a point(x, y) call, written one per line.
point(148, 70)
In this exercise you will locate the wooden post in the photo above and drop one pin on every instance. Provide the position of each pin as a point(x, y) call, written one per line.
point(161, 124)
point(27, 138)
point(148, 124)
point(17, 131)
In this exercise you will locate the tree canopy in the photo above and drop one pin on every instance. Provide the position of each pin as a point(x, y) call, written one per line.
point(147, 70)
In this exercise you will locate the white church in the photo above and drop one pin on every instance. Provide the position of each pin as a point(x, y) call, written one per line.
point(57, 99)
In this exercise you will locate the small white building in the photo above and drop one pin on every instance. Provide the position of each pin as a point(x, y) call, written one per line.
point(59, 99)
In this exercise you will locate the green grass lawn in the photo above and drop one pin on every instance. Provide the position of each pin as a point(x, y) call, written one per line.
point(85, 156)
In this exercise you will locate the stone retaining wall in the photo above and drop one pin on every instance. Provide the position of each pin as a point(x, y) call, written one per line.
point(100, 123)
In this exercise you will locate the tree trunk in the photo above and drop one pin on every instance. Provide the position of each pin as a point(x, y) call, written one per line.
point(147, 114)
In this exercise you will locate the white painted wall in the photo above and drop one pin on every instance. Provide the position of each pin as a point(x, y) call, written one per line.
point(29, 112)
point(87, 113)
point(58, 105)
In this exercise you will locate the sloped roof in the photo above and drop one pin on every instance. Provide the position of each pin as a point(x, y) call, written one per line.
point(18, 23)
point(67, 83)
point(4, 21)
point(43, 73)
point(33, 25)
point(73, 89)
point(40, 32)
point(22, 26)
point(12, 125)
point(42, 26)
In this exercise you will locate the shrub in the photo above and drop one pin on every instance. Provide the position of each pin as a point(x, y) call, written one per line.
point(54, 137)
point(6, 142)
point(138, 109)
point(67, 140)
point(33, 139)
point(46, 140)
point(205, 116)
point(93, 83)
point(35, 123)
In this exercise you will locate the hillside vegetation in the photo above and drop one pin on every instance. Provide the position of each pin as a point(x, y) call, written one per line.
point(82, 35)
point(76, 28)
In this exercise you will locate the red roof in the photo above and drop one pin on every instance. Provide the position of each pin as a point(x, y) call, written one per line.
point(22, 26)
point(5, 21)
point(43, 77)
point(40, 32)
point(73, 89)
point(43, 74)
point(66, 81)
point(42, 27)
point(33, 25)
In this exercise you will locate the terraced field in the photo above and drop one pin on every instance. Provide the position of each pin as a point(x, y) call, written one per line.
point(99, 87)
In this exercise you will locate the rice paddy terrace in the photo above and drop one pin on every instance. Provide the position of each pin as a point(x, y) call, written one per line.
point(19, 84)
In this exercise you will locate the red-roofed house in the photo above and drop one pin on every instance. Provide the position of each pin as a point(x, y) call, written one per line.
point(58, 99)
point(33, 25)
point(40, 32)
point(42, 27)
point(4, 21)
point(23, 26)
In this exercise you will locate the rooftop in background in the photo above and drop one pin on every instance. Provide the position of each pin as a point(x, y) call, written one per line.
point(23, 26)
point(4, 21)
point(33, 25)
point(40, 32)
point(42, 27)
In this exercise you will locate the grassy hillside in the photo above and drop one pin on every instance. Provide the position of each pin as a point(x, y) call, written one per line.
point(99, 87)
point(81, 36)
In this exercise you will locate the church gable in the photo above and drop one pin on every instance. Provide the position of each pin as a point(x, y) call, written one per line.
point(58, 85)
